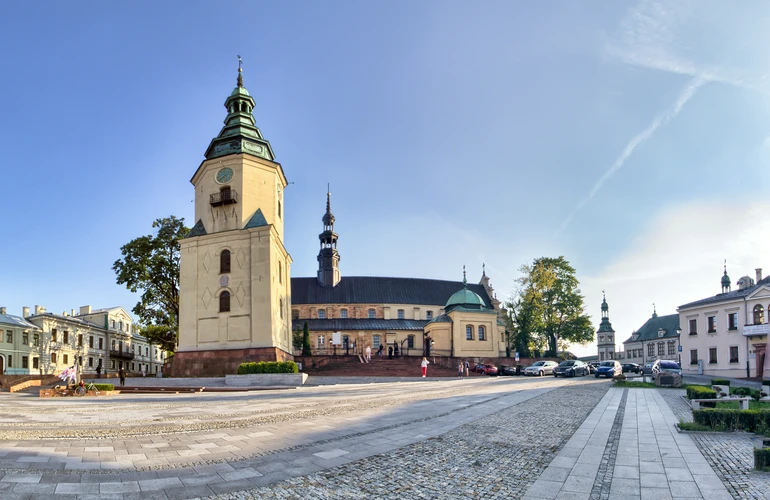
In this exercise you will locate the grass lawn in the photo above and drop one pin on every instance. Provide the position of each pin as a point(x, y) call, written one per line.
point(753, 405)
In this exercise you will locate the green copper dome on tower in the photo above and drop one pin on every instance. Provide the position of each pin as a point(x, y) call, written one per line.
point(465, 298)
point(240, 135)
point(605, 326)
point(725, 281)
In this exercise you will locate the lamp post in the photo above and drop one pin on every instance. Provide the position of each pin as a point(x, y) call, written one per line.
point(679, 334)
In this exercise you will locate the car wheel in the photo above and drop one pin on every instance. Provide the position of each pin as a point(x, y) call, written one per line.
point(541, 373)
point(596, 375)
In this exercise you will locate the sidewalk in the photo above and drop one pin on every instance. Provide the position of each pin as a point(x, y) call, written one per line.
point(629, 448)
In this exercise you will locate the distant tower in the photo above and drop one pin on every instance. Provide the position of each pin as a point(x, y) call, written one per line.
point(328, 256)
point(725, 280)
point(605, 335)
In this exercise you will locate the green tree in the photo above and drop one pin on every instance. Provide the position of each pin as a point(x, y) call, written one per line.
point(297, 338)
point(150, 265)
point(549, 306)
point(306, 341)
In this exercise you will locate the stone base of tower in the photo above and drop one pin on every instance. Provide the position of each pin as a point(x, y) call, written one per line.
point(218, 363)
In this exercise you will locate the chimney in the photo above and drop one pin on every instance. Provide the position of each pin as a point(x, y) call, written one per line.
point(72, 312)
point(39, 310)
point(64, 313)
point(2, 310)
point(85, 310)
point(25, 312)
point(759, 274)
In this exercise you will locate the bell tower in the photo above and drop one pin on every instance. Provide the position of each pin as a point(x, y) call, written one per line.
point(328, 256)
point(605, 335)
point(234, 287)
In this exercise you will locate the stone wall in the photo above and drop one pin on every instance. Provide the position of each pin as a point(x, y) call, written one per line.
point(222, 362)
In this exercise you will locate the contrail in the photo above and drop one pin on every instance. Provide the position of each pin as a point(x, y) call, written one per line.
point(638, 139)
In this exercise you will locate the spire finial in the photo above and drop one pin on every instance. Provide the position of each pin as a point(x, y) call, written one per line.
point(240, 71)
point(483, 269)
point(604, 297)
point(654, 311)
point(465, 281)
point(328, 199)
point(725, 266)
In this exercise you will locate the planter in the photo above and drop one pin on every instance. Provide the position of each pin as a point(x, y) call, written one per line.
point(266, 380)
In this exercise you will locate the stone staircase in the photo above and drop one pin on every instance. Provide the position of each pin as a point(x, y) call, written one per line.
point(351, 366)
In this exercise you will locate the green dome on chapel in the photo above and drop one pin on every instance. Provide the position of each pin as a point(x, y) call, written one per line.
point(465, 298)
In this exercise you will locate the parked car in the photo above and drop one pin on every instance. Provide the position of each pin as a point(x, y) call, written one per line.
point(541, 368)
point(665, 366)
point(632, 368)
point(479, 369)
point(506, 370)
point(647, 369)
point(490, 370)
point(608, 369)
point(571, 368)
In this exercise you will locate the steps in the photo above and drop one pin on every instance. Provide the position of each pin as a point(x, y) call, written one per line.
point(381, 367)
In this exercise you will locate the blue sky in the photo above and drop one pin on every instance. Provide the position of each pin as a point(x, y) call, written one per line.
point(631, 137)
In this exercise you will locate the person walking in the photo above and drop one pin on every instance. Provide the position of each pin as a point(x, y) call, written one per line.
point(467, 368)
point(424, 366)
point(122, 375)
point(379, 351)
point(368, 353)
point(460, 369)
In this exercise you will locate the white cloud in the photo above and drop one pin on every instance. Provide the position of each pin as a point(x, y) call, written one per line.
point(677, 259)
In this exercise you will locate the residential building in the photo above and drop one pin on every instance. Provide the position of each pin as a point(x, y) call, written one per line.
point(726, 334)
point(18, 340)
point(657, 338)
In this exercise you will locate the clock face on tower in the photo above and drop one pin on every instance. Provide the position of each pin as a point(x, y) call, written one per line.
point(224, 175)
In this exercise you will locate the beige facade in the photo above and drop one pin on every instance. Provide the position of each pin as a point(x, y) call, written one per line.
point(469, 334)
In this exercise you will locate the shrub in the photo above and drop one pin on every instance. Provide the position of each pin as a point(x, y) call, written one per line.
point(700, 392)
point(105, 387)
point(268, 367)
point(762, 459)
point(692, 426)
point(746, 392)
point(720, 381)
point(733, 420)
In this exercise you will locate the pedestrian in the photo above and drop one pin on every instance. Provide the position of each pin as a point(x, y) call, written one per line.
point(122, 375)
point(99, 371)
point(424, 366)
point(379, 351)
point(390, 352)
point(460, 368)
point(467, 368)
point(368, 353)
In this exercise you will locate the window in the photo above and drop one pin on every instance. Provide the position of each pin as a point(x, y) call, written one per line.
point(671, 347)
point(132, 366)
point(279, 208)
point(321, 314)
point(80, 360)
point(376, 342)
point(693, 356)
point(10, 361)
point(321, 341)
point(280, 273)
point(53, 357)
point(609, 338)
point(36, 339)
point(601, 338)
point(712, 324)
point(732, 321)
point(24, 362)
point(295, 314)
point(66, 358)
point(733, 354)
point(120, 326)
point(601, 356)
point(759, 314)
point(469, 332)
point(371, 313)
point(693, 327)
point(101, 343)
point(91, 341)
point(400, 314)
point(112, 364)
point(224, 262)
point(482, 333)
point(343, 313)
point(9, 337)
point(651, 349)
point(80, 340)
point(224, 301)
point(90, 362)
point(113, 324)
point(25, 338)
point(410, 341)
point(712, 355)
point(661, 348)
point(66, 336)
point(35, 363)
point(429, 315)
point(53, 335)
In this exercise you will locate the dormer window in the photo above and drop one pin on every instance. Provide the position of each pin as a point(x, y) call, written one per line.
point(661, 332)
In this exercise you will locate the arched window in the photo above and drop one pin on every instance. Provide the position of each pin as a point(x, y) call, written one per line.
point(759, 314)
point(279, 208)
point(410, 341)
point(224, 262)
point(224, 301)
point(482, 333)
point(371, 313)
point(469, 332)
point(321, 341)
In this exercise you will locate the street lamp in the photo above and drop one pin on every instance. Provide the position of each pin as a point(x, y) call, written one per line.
point(679, 334)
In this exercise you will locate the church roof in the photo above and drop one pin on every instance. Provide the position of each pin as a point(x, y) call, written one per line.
point(726, 297)
point(197, 230)
point(380, 290)
point(257, 220)
point(359, 324)
point(649, 330)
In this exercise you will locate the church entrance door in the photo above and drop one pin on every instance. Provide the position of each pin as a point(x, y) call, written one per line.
point(760, 359)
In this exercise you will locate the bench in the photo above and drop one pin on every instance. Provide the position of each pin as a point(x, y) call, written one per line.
point(743, 403)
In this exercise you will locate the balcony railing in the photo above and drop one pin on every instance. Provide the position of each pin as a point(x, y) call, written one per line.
point(761, 329)
point(121, 354)
point(224, 197)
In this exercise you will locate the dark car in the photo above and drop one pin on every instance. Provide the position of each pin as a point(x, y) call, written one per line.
point(632, 368)
point(506, 370)
point(571, 368)
point(647, 369)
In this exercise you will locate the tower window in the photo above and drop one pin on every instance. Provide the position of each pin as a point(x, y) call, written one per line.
point(224, 262)
point(371, 313)
point(280, 273)
point(279, 208)
point(280, 306)
point(224, 301)
point(482, 333)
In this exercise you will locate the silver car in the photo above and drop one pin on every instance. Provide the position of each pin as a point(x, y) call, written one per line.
point(541, 368)
point(663, 365)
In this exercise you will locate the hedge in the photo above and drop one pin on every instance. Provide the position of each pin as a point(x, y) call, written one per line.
point(746, 392)
point(103, 387)
point(762, 459)
point(720, 381)
point(733, 420)
point(700, 392)
point(268, 367)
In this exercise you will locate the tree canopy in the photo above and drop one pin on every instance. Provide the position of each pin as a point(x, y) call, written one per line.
point(547, 307)
point(150, 265)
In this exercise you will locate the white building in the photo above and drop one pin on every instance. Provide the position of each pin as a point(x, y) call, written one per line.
point(726, 335)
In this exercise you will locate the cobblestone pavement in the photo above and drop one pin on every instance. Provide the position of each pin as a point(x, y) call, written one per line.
point(730, 455)
point(498, 456)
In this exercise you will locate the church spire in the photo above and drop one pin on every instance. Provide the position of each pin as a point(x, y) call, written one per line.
point(605, 325)
point(240, 135)
point(328, 256)
point(725, 280)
